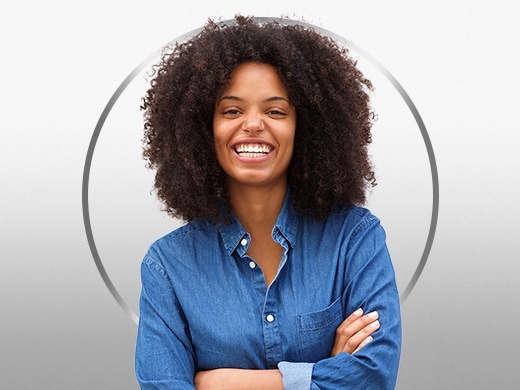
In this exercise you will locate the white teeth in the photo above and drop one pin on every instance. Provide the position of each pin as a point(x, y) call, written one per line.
point(252, 150)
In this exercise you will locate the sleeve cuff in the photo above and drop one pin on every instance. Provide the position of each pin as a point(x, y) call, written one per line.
point(296, 376)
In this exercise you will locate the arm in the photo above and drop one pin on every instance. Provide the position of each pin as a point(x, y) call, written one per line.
point(352, 335)
point(370, 284)
point(238, 379)
point(163, 357)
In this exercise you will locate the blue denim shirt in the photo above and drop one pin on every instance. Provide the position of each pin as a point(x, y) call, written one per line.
point(204, 303)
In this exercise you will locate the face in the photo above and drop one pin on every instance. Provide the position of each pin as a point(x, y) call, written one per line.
point(254, 126)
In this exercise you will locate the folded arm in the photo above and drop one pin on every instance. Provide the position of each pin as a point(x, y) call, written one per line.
point(352, 335)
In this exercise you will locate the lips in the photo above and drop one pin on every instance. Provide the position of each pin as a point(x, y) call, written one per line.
point(252, 150)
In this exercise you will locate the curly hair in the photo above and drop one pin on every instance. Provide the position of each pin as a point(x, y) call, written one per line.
point(330, 164)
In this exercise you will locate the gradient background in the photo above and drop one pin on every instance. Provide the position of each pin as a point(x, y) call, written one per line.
point(60, 63)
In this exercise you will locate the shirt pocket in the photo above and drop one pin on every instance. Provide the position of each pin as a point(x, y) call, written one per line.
point(316, 331)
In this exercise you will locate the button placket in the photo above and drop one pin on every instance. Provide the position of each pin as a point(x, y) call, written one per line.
point(272, 339)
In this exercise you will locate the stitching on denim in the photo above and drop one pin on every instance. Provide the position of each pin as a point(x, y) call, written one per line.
point(152, 264)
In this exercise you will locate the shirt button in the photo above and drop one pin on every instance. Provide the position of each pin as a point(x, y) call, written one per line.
point(243, 242)
point(269, 318)
point(252, 264)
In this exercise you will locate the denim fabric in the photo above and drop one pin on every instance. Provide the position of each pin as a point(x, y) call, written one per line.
point(204, 303)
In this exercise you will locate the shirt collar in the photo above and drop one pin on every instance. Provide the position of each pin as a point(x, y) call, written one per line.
point(232, 232)
point(287, 222)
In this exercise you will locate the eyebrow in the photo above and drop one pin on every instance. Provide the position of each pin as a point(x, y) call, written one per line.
point(271, 99)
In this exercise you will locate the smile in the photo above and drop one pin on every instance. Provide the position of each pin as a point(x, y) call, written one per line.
point(252, 150)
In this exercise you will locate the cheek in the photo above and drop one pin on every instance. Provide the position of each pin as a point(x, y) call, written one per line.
point(290, 140)
point(220, 149)
point(219, 142)
point(217, 137)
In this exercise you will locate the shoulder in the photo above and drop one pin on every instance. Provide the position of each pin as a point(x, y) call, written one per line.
point(356, 227)
point(193, 229)
point(354, 214)
point(353, 219)
point(345, 227)
point(183, 242)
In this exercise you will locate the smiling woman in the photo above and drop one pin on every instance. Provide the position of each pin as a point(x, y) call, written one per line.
point(254, 126)
point(259, 136)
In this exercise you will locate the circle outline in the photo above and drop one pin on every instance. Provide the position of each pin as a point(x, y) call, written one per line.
point(92, 145)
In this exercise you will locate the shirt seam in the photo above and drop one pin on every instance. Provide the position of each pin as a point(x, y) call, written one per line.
point(155, 266)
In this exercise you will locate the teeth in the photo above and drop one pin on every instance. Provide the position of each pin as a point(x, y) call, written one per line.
point(252, 150)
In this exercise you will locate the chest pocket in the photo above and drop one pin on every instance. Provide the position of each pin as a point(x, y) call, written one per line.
point(316, 331)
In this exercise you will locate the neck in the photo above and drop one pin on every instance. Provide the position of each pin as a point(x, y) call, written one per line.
point(257, 208)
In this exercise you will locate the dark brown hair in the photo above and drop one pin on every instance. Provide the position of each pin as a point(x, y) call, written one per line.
point(330, 165)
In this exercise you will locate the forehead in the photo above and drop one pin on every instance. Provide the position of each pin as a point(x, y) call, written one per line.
point(252, 77)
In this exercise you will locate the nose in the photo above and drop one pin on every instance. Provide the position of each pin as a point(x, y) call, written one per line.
point(253, 123)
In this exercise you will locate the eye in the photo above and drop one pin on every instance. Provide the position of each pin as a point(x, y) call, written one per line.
point(275, 112)
point(231, 112)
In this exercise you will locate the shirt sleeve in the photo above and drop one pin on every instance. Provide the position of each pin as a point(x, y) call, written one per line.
point(296, 376)
point(369, 284)
point(164, 355)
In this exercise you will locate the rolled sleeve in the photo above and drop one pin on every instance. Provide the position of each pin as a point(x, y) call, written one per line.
point(296, 376)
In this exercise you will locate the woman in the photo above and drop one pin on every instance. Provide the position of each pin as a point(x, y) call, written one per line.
point(279, 280)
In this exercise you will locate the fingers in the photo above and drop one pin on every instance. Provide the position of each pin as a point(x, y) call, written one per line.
point(355, 332)
point(350, 319)
point(357, 322)
point(363, 343)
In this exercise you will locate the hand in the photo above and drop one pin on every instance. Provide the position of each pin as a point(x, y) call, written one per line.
point(355, 332)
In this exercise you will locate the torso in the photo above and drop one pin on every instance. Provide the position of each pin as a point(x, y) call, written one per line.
point(234, 320)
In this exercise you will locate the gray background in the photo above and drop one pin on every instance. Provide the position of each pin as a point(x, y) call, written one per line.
point(60, 328)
